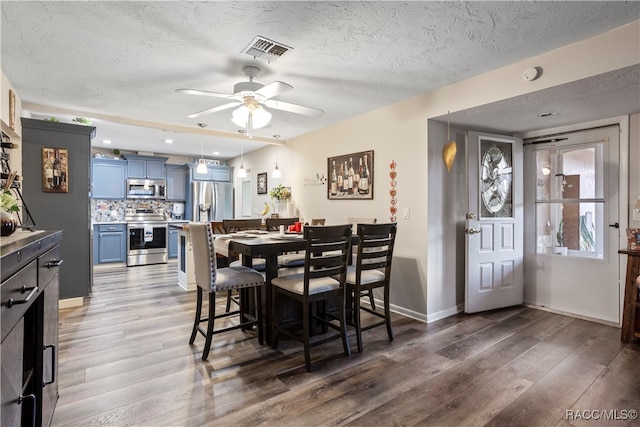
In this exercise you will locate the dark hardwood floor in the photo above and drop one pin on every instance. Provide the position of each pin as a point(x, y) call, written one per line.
point(125, 360)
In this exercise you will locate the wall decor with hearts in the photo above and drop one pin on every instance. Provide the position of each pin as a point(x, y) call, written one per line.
point(392, 192)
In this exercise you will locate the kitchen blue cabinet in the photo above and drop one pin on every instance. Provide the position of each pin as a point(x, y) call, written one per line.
point(173, 242)
point(214, 173)
point(177, 176)
point(110, 244)
point(108, 178)
point(149, 167)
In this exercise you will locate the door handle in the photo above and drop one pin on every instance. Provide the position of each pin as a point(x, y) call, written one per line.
point(472, 231)
point(616, 225)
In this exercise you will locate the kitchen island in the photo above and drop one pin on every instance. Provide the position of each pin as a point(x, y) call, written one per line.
point(186, 268)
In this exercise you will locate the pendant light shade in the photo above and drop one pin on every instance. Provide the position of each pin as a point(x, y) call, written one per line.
point(242, 172)
point(276, 172)
point(202, 166)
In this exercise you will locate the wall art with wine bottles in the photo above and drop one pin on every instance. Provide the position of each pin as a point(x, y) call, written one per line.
point(55, 170)
point(350, 176)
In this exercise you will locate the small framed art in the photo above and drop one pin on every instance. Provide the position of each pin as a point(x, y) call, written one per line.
point(262, 183)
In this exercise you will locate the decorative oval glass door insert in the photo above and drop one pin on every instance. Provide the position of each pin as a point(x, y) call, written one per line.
point(495, 179)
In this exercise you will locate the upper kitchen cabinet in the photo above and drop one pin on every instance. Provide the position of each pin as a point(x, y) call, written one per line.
point(149, 167)
point(214, 173)
point(108, 179)
point(177, 176)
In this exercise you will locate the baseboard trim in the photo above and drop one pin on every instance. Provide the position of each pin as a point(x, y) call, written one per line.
point(420, 317)
point(531, 304)
point(445, 313)
point(71, 302)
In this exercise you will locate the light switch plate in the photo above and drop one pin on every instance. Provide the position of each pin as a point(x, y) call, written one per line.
point(406, 213)
point(636, 215)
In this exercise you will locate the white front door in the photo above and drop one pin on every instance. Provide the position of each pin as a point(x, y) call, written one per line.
point(494, 226)
point(572, 212)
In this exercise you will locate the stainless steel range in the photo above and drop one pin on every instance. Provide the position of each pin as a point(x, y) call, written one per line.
point(147, 236)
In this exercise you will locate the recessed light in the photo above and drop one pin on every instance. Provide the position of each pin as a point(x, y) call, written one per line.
point(216, 153)
point(169, 141)
point(547, 114)
point(106, 141)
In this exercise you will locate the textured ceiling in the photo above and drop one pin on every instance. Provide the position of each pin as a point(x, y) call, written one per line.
point(122, 61)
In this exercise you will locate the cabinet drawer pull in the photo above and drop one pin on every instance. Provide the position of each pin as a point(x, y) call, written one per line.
point(53, 364)
point(33, 399)
point(11, 302)
point(54, 263)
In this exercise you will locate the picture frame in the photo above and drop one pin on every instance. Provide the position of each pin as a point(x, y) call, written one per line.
point(351, 176)
point(12, 109)
point(633, 237)
point(55, 170)
point(262, 183)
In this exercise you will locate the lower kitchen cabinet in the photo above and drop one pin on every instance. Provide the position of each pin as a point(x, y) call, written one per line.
point(29, 325)
point(173, 242)
point(110, 243)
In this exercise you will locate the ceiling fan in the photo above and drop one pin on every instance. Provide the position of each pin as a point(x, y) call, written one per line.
point(250, 97)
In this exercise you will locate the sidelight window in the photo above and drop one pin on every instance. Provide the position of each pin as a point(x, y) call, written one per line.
point(570, 200)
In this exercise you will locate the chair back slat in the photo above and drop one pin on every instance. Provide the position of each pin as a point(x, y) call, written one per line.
point(273, 224)
point(375, 247)
point(233, 225)
point(327, 252)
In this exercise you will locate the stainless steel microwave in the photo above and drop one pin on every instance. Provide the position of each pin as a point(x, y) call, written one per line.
point(146, 189)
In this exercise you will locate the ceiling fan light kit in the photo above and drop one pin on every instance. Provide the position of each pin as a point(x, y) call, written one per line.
point(251, 97)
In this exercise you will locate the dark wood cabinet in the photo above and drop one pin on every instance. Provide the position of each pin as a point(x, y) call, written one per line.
point(29, 323)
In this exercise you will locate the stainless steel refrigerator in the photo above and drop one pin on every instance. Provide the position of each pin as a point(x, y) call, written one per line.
point(211, 201)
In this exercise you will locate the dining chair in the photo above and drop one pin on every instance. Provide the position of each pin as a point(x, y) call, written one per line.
point(211, 279)
point(355, 221)
point(273, 224)
point(372, 270)
point(234, 226)
point(287, 260)
point(327, 252)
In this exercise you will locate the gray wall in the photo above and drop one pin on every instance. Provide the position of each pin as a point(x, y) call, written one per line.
point(68, 212)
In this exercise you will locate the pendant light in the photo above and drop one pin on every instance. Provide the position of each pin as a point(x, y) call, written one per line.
point(242, 172)
point(202, 167)
point(276, 172)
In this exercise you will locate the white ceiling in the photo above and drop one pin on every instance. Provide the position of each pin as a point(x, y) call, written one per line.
point(121, 62)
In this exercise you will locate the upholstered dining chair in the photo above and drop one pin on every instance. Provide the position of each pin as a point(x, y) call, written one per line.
point(327, 252)
point(211, 279)
point(372, 270)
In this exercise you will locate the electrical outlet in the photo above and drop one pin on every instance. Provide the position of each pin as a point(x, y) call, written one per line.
point(406, 214)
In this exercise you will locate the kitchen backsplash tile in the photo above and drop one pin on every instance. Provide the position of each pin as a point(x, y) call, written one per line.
point(113, 210)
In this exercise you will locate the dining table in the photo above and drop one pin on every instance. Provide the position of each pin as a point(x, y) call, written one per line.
point(267, 245)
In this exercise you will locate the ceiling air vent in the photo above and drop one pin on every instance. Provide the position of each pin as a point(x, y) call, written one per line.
point(263, 48)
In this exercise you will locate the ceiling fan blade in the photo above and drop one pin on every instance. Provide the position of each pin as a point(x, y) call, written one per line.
point(214, 109)
point(206, 93)
point(273, 89)
point(293, 108)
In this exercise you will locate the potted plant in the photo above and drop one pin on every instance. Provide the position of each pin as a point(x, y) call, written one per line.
point(8, 205)
point(280, 194)
point(560, 249)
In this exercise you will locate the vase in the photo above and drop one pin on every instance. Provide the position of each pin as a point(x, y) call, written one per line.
point(8, 223)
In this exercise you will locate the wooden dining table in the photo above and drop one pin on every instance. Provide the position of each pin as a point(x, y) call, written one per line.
point(267, 246)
